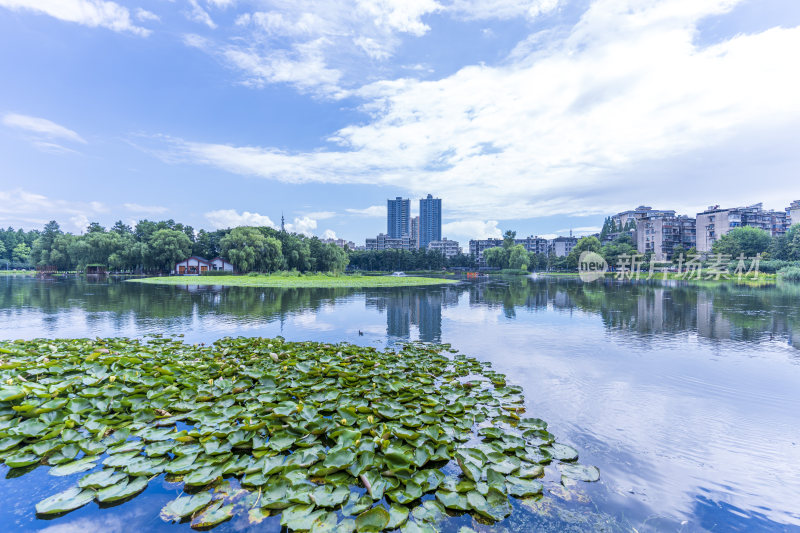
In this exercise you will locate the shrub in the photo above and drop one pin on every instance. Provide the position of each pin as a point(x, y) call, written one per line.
point(216, 273)
point(791, 273)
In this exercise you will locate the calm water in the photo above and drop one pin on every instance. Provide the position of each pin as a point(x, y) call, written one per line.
point(686, 398)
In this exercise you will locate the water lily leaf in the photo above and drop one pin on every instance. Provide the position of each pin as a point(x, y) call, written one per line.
point(398, 514)
point(185, 506)
point(181, 465)
point(81, 465)
point(339, 459)
point(145, 466)
point(530, 471)
point(453, 500)
point(580, 472)
point(69, 500)
point(31, 428)
point(122, 490)
point(214, 515)
point(327, 496)
point(407, 494)
point(120, 460)
point(356, 504)
point(523, 487)
point(562, 452)
point(373, 520)
point(101, 479)
point(22, 459)
point(471, 470)
point(9, 442)
point(203, 476)
point(257, 515)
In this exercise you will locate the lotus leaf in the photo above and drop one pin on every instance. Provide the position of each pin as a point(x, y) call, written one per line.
point(81, 465)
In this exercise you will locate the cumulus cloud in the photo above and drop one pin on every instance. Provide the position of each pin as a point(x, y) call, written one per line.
point(305, 225)
point(41, 127)
point(473, 229)
point(329, 234)
point(321, 215)
point(21, 208)
point(564, 127)
point(144, 15)
point(93, 13)
point(230, 218)
point(371, 211)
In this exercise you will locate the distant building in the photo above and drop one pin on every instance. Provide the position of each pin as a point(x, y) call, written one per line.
point(385, 242)
point(532, 244)
point(341, 243)
point(562, 246)
point(415, 229)
point(398, 217)
point(661, 233)
point(198, 265)
point(477, 246)
point(793, 212)
point(446, 247)
point(715, 222)
point(430, 220)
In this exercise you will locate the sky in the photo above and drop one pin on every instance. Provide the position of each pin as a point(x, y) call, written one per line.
point(539, 116)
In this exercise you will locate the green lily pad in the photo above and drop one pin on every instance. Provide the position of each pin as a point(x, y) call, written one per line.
point(373, 520)
point(69, 500)
point(81, 465)
point(562, 452)
point(122, 490)
point(214, 515)
point(185, 506)
point(580, 472)
point(22, 459)
point(103, 478)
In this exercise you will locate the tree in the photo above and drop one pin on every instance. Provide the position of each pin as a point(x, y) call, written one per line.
point(21, 253)
point(508, 239)
point(167, 247)
point(518, 258)
point(496, 257)
point(746, 240)
point(586, 244)
point(248, 249)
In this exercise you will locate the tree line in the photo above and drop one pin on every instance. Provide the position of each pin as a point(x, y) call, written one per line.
point(151, 247)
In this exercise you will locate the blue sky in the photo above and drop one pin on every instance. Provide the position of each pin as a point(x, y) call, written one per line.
point(532, 115)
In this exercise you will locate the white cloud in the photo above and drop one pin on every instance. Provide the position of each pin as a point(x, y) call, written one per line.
point(146, 209)
point(371, 211)
point(144, 15)
point(230, 218)
point(200, 15)
point(329, 234)
point(93, 13)
point(21, 208)
point(472, 229)
point(41, 126)
point(304, 225)
point(579, 231)
point(564, 127)
point(502, 9)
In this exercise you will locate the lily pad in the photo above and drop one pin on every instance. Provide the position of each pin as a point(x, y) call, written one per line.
point(373, 520)
point(580, 472)
point(185, 506)
point(69, 500)
point(122, 490)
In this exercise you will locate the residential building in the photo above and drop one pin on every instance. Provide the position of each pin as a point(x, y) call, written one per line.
point(794, 213)
point(430, 220)
point(448, 248)
point(398, 217)
point(532, 244)
point(715, 222)
point(415, 228)
point(341, 243)
point(385, 242)
point(198, 265)
point(661, 233)
point(477, 246)
point(562, 246)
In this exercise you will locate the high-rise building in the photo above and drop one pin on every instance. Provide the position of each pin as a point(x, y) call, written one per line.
point(415, 229)
point(430, 220)
point(793, 212)
point(398, 217)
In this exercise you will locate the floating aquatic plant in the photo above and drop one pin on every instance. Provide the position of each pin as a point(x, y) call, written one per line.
point(331, 437)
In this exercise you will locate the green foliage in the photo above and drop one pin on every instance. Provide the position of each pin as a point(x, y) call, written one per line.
point(315, 432)
point(167, 247)
point(585, 244)
point(745, 240)
point(508, 238)
point(403, 260)
point(789, 274)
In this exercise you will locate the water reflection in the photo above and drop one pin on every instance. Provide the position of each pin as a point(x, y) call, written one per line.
point(685, 397)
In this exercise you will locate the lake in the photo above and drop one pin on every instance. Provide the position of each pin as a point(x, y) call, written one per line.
point(687, 398)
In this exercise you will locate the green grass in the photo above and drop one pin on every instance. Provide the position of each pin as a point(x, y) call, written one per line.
point(17, 272)
point(309, 281)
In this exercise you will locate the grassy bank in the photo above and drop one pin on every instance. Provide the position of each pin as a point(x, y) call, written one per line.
point(17, 272)
point(308, 281)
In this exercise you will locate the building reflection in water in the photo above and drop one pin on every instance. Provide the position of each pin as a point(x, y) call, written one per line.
point(420, 308)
